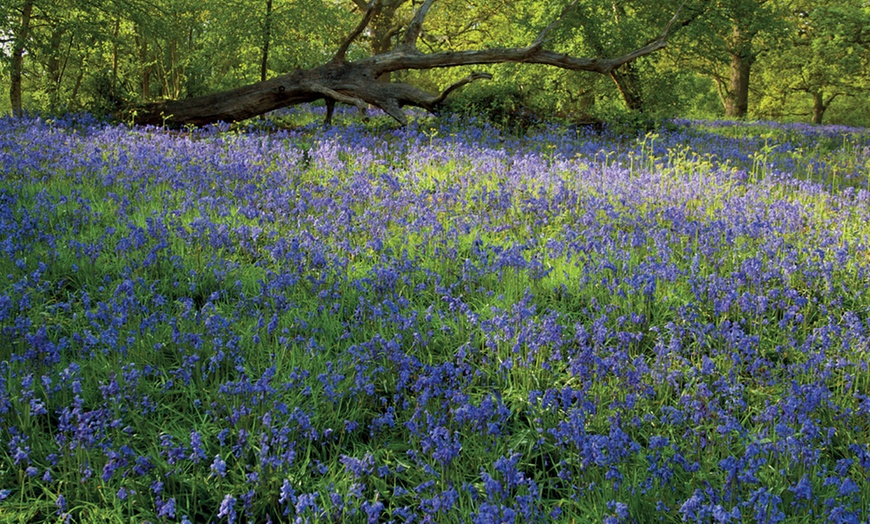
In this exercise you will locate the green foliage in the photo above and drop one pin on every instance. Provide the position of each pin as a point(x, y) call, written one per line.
point(503, 105)
point(632, 124)
point(92, 56)
point(823, 63)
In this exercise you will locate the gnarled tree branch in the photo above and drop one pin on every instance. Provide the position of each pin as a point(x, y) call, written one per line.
point(356, 82)
point(366, 20)
point(456, 85)
point(412, 33)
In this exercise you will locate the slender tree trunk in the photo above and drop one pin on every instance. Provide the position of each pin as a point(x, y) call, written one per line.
point(75, 92)
point(21, 37)
point(819, 107)
point(267, 37)
point(174, 76)
point(145, 65)
point(55, 73)
point(115, 31)
point(78, 83)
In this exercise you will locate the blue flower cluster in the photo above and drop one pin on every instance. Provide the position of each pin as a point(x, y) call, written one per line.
point(435, 323)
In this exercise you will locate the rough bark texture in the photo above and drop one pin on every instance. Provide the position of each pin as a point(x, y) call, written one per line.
point(54, 69)
point(737, 97)
point(267, 37)
point(21, 37)
point(627, 80)
point(358, 83)
point(820, 105)
point(145, 65)
point(737, 101)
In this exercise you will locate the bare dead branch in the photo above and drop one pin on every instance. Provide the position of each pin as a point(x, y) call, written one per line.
point(456, 85)
point(673, 22)
point(409, 41)
point(397, 61)
point(338, 97)
point(366, 20)
point(392, 108)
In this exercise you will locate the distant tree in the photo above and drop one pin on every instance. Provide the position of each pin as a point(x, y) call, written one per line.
point(825, 57)
point(18, 20)
point(727, 41)
point(611, 27)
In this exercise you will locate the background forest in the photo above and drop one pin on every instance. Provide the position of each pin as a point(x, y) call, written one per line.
point(790, 60)
point(493, 317)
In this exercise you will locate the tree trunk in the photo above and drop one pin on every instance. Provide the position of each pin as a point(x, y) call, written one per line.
point(115, 31)
point(267, 36)
point(174, 70)
point(78, 83)
point(383, 30)
point(145, 65)
point(383, 26)
point(737, 95)
point(55, 72)
point(737, 100)
point(820, 105)
point(357, 83)
point(21, 37)
point(627, 80)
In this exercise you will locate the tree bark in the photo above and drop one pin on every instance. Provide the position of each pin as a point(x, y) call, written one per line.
point(737, 94)
point(820, 105)
point(267, 37)
point(55, 71)
point(737, 99)
point(357, 83)
point(115, 31)
point(145, 65)
point(627, 77)
point(628, 83)
point(21, 37)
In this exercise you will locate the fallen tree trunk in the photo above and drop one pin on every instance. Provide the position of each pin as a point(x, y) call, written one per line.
point(356, 83)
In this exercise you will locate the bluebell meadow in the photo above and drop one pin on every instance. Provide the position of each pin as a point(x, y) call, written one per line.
point(439, 323)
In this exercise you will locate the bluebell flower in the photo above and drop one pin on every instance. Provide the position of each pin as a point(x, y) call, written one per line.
point(848, 488)
point(227, 508)
point(197, 453)
point(166, 508)
point(373, 510)
point(358, 467)
point(803, 490)
point(219, 467)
